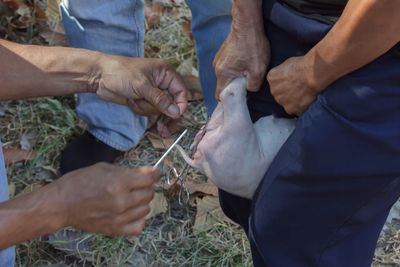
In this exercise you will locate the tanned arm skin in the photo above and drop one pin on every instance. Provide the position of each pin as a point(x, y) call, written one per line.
point(246, 51)
point(102, 198)
point(147, 85)
point(366, 30)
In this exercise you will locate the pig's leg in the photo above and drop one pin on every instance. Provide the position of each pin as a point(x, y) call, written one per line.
point(236, 113)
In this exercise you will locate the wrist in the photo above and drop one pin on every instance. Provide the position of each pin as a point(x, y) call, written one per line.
point(51, 206)
point(247, 14)
point(318, 72)
point(96, 70)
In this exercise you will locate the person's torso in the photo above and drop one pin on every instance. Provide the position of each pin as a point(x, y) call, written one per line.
point(325, 10)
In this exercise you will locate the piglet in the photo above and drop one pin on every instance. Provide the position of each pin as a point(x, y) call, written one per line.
point(232, 151)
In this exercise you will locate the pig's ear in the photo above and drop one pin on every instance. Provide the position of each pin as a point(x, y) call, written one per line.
point(233, 99)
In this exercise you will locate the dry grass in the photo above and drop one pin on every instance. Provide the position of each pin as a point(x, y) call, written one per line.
point(47, 125)
point(168, 239)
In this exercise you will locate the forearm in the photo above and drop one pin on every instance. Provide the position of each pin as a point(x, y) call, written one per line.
point(247, 15)
point(33, 71)
point(366, 30)
point(30, 216)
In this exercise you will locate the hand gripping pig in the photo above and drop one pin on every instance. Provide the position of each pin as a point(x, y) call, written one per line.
point(232, 151)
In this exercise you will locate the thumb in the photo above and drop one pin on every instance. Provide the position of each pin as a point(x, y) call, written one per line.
point(162, 101)
point(222, 82)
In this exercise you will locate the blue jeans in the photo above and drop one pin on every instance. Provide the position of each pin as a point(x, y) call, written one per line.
point(7, 256)
point(326, 195)
point(117, 27)
point(211, 24)
point(113, 27)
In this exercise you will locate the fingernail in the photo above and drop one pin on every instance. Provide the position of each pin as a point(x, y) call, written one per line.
point(173, 110)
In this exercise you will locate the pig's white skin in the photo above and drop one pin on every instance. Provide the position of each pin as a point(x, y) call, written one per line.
point(232, 151)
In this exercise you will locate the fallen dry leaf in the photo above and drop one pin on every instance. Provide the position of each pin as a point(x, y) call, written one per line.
point(191, 80)
point(153, 14)
point(53, 14)
point(40, 11)
point(209, 213)
point(158, 205)
point(185, 67)
point(163, 126)
point(205, 188)
point(187, 27)
point(11, 189)
point(159, 142)
point(31, 187)
point(22, 14)
point(193, 87)
point(54, 38)
point(55, 35)
point(15, 155)
point(15, 5)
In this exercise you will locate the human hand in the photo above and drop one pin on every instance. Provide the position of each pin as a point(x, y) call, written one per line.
point(106, 199)
point(292, 85)
point(245, 53)
point(148, 86)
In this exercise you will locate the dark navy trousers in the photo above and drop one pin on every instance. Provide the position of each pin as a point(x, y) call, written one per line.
point(326, 196)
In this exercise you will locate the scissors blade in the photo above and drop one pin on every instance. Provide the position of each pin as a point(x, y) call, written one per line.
point(193, 147)
point(170, 148)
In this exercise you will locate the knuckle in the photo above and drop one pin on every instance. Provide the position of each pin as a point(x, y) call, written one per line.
point(114, 188)
point(119, 205)
point(160, 98)
point(135, 199)
point(117, 221)
point(146, 198)
point(219, 69)
point(216, 60)
point(115, 230)
point(164, 63)
point(259, 71)
point(147, 210)
point(290, 110)
point(137, 230)
point(270, 75)
point(281, 102)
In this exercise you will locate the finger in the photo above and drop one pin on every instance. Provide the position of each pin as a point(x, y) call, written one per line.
point(163, 130)
point(140, 197)
point(140, 178)
point(173, 83)
point(142, 107)
point(133, 214)
point(134, 228)
point(112, 97)
point(128, 200)
point(291, 110)
point(222, 82)
point(255, 79)
point(162, 101)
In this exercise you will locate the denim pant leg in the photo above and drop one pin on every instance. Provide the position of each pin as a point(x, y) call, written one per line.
point(211, 24)
point(7, 256)
point(113, 27)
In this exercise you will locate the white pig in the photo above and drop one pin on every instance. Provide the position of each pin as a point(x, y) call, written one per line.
point(232, 151)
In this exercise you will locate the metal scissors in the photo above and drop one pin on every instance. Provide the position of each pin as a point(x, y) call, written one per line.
point(183, 192)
